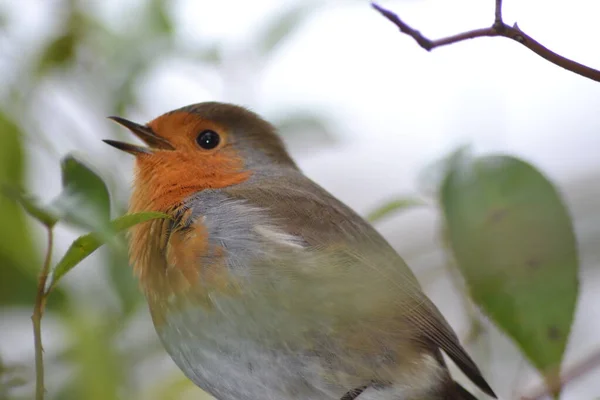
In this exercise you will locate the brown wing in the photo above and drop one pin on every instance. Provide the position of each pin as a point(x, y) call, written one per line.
point(310, 212)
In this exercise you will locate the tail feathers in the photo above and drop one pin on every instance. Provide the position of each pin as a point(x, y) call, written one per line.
point(460, 393)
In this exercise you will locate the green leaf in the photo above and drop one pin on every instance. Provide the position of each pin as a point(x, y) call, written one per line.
point(19, 256)
point(84, 201)
point(85, 245)
point(514, 243)
point(395, 206)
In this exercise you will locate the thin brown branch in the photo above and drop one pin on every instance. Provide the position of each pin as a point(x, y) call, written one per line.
point(36, 318)
point(498, 14)
point(589, 364)
point(499, 28)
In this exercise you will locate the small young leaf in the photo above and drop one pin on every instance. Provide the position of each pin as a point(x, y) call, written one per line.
point(87, 244)
point(84, 201)
point(394, 206)
point(514, 243)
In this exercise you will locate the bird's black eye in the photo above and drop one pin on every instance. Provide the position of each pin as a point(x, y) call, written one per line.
point(208, 139)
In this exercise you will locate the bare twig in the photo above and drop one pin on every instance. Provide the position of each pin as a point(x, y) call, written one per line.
point(498, 15)
point(583, 367)
point(499, 28)
point(36, 318)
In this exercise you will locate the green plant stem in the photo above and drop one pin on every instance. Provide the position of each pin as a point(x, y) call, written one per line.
point(36, 318)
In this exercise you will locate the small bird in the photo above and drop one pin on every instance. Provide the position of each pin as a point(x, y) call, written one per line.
point(262, 285)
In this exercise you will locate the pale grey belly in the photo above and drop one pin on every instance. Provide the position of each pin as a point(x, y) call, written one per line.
point(238, 364)
point(234, 353)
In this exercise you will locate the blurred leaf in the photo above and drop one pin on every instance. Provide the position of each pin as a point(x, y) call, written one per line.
point(513, 241)
point(123, 282)
point(282, 25)
point(175, 387)
point(432, 176)
point(4, 21)
point(32, 206)
point(58, 53)
point(304, 131)
point(84, 201)
point(19, 258)
point(160, 18)
point(61, 51)
point(87, 244)
point(11, 378)
point(211, 54)
point(100, 374)
point(394, 206)
point(302, 122)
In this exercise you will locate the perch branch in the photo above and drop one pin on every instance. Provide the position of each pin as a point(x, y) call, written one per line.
point(499, 28)
point(36, 318)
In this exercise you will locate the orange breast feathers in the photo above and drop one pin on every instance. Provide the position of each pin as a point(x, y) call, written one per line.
point(177, 266)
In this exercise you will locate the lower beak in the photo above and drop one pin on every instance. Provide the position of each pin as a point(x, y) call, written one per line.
point(144, 133)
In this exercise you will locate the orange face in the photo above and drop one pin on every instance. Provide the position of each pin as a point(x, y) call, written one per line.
point(187, 154)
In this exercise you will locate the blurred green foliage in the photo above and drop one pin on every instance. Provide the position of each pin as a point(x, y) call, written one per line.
point(19, 256)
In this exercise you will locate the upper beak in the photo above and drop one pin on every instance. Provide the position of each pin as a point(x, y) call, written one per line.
point(144, 133)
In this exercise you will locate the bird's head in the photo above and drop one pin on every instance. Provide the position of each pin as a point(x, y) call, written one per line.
point(201, 146)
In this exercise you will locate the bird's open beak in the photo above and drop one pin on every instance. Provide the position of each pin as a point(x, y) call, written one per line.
point(144, 133)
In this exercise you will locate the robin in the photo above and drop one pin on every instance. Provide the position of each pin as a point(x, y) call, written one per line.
point(262, 285)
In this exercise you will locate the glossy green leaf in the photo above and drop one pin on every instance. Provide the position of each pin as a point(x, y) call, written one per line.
point(85, 245)
point(514, 243)
point(20, 259)
point(395, 206)
point(84, 201)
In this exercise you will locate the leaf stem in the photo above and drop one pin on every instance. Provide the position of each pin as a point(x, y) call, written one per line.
point(36, 318)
